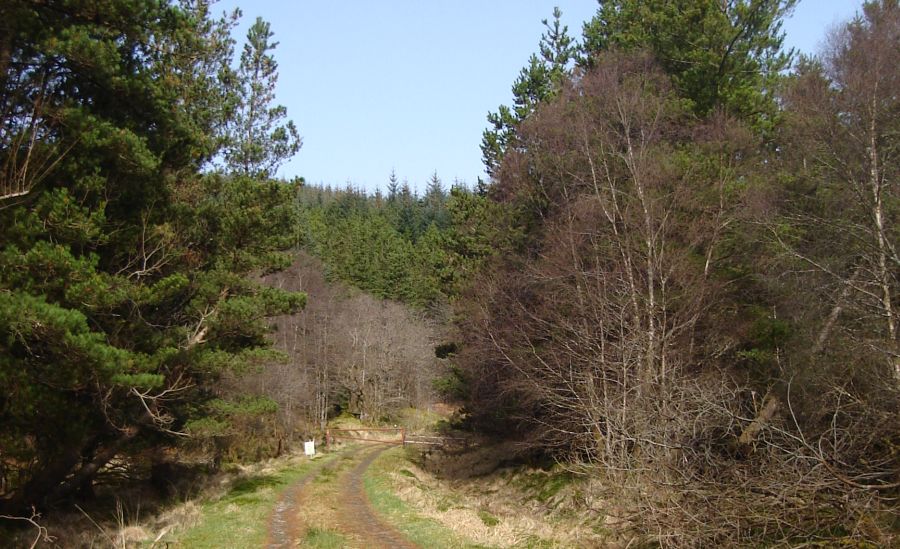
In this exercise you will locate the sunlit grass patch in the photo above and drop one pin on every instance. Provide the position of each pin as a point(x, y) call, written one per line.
point(416, 420)
point(240, 518)
point(544, 486)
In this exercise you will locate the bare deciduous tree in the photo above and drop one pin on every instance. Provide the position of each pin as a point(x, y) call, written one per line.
point(843, 213)
point(347, 351)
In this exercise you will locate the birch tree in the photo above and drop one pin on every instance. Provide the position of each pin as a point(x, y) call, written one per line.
point(843, 202)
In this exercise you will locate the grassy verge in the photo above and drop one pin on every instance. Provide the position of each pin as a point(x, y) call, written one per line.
point(422, 531)
point(517, 508)
point(240, 518)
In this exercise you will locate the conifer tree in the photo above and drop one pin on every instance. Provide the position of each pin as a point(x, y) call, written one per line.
point(259, 138)
point(719, 54)
point(435, 203)
point(393, 186)
point(537, 82)
point(124, 293)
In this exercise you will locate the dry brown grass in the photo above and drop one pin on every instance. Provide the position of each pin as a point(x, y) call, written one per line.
point(500, 509)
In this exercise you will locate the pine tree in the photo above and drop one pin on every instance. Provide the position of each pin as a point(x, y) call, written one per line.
point(408, 218)
point(259, 139)
point(124, 293)
point(537, 82)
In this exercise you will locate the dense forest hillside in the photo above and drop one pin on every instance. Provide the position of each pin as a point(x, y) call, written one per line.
point(681, 280)
point(421, 250)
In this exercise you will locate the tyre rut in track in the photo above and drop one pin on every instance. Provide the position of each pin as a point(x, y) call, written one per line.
point(338, 504)
point(358, 514)
point(284, 529)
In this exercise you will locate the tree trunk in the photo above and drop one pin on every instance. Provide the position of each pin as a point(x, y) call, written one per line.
point(89, 469)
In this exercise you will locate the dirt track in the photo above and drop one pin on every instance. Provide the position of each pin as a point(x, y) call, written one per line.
point(332, 498)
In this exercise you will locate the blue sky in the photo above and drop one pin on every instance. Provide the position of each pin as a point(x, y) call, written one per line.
point(376, 85)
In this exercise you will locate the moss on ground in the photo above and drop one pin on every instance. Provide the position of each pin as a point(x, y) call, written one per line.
point(487, 518)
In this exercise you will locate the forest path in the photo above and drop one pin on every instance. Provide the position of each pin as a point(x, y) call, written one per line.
point(328, 507)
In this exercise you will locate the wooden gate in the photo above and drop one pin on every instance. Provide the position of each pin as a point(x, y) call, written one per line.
point(380, 435)
point(391, 435)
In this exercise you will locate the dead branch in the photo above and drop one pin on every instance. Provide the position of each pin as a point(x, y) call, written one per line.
point(198, 336)
point(42, 532)
point(20, 174)
point(152, 404)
